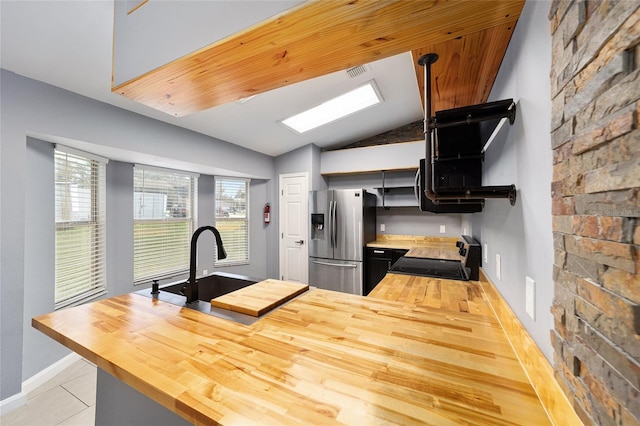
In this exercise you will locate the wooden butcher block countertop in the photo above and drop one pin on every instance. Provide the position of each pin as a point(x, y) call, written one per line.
point(408, 242)
point(434, 253)
point(419, 246)
point(420, 351)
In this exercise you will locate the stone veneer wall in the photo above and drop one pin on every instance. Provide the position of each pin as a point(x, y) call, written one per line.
point(595, 90)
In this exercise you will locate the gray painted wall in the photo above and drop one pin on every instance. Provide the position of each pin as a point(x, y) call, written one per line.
point(410, 221)
point(318, 182)
point(29, 107)
point(12, 229)
point(39, 245)
point(119, 228)
point(522, 155)
point(304, 159)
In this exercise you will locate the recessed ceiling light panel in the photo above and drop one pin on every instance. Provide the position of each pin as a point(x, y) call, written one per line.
point(334, 109)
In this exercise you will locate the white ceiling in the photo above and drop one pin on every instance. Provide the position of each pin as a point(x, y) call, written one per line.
point(69, 44)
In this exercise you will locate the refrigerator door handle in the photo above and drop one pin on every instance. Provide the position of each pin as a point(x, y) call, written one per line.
point(334, 231)
point(416, 187)
point(331, 223)
point(340, 265)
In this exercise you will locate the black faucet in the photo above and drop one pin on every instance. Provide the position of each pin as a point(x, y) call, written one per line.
point(190, 289)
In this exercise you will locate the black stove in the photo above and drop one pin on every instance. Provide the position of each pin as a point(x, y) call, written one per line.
point(467, 268)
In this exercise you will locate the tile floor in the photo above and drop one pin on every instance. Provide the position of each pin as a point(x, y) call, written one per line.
point(67, 399)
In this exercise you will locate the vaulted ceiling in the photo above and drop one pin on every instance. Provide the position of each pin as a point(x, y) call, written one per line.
point(322, 37)
point(293, 61)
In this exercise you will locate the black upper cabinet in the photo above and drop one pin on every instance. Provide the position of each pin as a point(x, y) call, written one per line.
point(460, 137)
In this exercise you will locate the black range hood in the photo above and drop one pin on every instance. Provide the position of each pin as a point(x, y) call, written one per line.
point(456, 140)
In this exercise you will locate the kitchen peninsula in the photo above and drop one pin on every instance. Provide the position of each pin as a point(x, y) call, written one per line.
point(417, 351)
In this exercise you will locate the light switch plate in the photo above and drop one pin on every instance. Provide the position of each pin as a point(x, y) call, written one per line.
point(530, 297)
point(498, 267)
point(485, 253)
point(382, 227)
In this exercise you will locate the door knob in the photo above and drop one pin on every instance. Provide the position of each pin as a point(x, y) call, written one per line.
point(299, 242)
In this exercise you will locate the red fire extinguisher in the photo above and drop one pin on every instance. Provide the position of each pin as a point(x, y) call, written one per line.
point(267, 215)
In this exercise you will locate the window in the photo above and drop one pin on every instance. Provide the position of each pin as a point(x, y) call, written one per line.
point(80, 205)
point(232, 219)
point(164, 218)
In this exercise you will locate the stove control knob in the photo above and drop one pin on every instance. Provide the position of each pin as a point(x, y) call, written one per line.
point(463, 251)
point(458, 244)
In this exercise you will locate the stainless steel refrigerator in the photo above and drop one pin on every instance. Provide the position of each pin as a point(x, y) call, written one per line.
point(341, 222)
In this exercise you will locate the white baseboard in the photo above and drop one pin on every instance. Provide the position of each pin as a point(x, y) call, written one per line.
point(48, 373)
point(16, 401)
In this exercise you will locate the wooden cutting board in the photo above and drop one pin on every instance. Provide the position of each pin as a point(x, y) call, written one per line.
point(258, 299)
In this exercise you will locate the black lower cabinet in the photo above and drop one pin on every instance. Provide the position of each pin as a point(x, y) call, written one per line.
point(378, 261)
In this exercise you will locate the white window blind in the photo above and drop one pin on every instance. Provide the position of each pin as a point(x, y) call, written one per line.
point(164, 218)
point(80, 206)
point(232, 219)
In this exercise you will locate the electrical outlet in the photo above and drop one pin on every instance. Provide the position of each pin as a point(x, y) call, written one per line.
point(205, 272)
point(498, 267)
point(485, 253)
point(382, 227)
point(443, 229)
point(464, 231)
point(530, 297)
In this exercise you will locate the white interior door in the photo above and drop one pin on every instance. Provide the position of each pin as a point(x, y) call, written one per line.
point(294, 230)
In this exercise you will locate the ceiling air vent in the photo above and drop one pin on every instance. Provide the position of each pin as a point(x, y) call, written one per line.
point(356, 71)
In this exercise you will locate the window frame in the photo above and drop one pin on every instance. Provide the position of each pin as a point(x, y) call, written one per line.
point(69, 265)
point(221, 219)
point(148, 273)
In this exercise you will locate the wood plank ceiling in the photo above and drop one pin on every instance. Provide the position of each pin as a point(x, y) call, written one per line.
point(320, 37)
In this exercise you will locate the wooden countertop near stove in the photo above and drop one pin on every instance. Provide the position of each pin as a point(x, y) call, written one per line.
point(419, 246)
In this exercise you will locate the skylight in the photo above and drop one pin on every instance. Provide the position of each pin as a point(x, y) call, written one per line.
point(336, 108)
